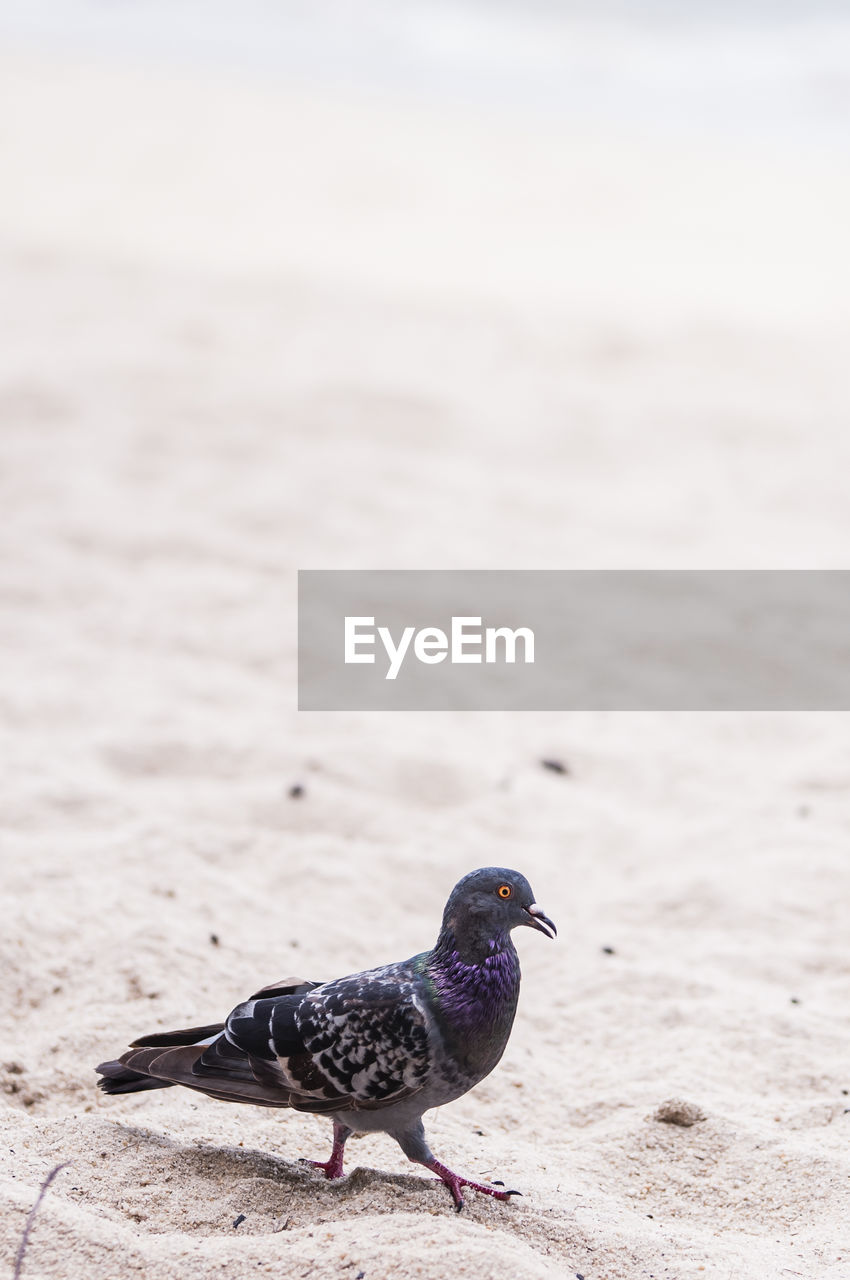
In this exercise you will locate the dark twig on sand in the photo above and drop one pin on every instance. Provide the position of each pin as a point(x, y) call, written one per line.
point(22, 1248)
point(556, 766)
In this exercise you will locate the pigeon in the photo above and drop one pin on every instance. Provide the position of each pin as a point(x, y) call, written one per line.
point(373, 1051)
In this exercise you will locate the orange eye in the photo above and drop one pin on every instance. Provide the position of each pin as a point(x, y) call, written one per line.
point(504, 890)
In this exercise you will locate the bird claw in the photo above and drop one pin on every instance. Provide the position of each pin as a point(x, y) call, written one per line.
point(332, 1169)
point(455, 1182)
point(497, 1182)
point(478, 1186)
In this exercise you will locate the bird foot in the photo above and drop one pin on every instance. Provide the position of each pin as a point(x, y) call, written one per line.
point(455, 1182)
point(331, 1168)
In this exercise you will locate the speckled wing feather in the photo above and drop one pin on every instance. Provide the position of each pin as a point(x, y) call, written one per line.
point(360, 1042)
point(201, 1058)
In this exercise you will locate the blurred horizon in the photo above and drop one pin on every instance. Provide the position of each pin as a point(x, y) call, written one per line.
point(754, 68)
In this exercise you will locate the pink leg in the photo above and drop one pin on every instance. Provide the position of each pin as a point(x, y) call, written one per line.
point(333, 1167)
point(454, 1182)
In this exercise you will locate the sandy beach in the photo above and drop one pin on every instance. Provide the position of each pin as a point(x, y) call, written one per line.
point(252, 327)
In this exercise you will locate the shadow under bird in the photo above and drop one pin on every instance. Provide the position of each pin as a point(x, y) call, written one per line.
point(373, 1051)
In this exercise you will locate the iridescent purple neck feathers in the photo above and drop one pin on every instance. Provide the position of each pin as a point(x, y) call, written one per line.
point(476, 993)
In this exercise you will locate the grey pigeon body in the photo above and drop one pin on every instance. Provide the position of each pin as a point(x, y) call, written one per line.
point(375, 1050)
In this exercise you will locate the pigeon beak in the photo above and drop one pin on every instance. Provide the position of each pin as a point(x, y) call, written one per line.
point(540, 921)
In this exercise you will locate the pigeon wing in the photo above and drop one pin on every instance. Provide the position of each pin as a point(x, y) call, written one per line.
point(360, 1043)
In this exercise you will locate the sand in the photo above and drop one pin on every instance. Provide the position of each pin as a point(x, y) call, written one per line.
point(210, 377)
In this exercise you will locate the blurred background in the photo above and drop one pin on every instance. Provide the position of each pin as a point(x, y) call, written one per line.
point(572, 276)
point(659, 160)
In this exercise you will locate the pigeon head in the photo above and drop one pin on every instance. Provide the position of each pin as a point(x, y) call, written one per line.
point(491, 902)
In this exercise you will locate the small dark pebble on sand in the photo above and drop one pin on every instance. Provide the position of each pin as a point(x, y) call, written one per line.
point(556, 766)
point(676, 1111)
point(236, 1221)
point(296, 791)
